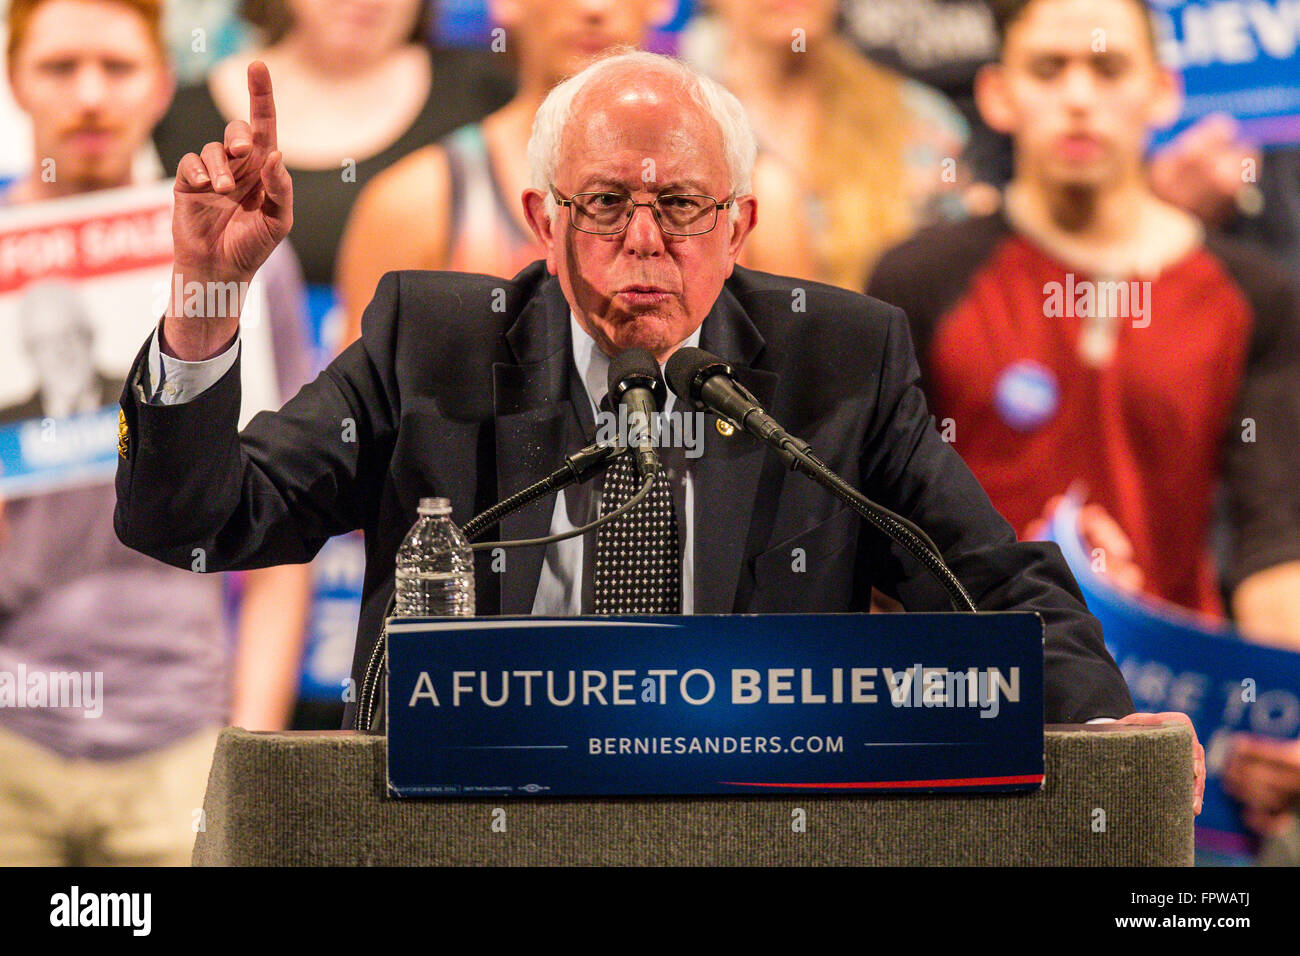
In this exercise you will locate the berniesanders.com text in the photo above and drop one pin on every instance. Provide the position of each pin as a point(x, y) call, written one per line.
point(799, 744)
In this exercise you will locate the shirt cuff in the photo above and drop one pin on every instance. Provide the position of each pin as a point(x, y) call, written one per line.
point(173, 381)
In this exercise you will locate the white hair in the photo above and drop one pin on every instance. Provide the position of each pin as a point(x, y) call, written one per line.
point(556, 110)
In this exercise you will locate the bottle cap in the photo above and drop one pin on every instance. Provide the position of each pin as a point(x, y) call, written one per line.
point(435, 506)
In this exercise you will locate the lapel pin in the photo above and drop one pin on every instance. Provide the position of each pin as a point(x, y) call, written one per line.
point(725, 428)
point(123, 434)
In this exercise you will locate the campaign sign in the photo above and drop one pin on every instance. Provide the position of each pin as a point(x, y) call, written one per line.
point(1174, 660)
point(1240, 57)
point(83, 282)
point(338, 571)
point(715, 704)
point(337, 574)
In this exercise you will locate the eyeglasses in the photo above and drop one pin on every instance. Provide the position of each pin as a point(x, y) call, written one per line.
point(608, 213)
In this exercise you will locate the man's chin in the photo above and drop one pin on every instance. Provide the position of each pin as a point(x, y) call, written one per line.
point(90, 175)
point(1066, 175)
point(650, 332)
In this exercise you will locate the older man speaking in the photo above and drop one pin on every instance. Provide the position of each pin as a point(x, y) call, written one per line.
point(471, 387)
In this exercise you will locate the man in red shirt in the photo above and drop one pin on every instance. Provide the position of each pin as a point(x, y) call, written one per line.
point(1090, 335)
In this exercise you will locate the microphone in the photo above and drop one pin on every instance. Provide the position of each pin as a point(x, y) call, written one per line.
point(707, 383)
point(634, 381)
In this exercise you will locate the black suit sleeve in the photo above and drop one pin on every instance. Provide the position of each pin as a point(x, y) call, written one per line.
point(190, 485)
point(909, 468)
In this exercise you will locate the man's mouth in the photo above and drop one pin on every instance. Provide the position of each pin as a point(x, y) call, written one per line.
point(590, 44)
point(1078, 147)
point(643, 294)
point(92, 140)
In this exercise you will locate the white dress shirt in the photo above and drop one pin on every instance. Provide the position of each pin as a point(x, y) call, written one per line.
point(173, 381)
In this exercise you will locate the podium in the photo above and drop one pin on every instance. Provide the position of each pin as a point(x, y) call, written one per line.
point(1114, 795)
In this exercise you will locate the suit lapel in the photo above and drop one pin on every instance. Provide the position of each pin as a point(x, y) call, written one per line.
point(536, 425)
point(726, 477)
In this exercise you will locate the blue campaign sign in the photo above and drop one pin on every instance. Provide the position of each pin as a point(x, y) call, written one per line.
point(715, 704)
point(338, 570)
point(1174, 660)
point(45, 454)
point(1240, 57)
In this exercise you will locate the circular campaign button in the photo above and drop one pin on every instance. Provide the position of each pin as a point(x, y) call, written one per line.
point(1026, 395)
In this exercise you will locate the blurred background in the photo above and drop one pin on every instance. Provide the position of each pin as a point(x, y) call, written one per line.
point(1089, 210)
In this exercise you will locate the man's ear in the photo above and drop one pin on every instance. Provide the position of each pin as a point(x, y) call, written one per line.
point(742, 227)
point(994, 99)
point(1167, 103)
point(540, 223)
point(14, 91)
point(166, 93)
point(662, 12)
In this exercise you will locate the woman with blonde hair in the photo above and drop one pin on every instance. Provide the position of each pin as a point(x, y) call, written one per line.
point(876, 154)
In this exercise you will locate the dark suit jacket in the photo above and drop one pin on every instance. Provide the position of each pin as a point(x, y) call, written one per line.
point(460, 387)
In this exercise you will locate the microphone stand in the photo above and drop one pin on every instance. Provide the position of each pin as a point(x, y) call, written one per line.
point(576, 469)
point(895, 526)
point(798, 455)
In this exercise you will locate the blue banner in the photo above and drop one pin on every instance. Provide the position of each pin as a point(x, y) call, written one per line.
point(715, 704)
point(47, 454)
point(337, 574)
point(1174, 660)
point(338, 570)
point(1240, 57)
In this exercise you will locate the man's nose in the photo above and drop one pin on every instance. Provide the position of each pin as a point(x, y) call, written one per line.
point(596, 9)
point(1078, 88)
point(642, 236)
point(90, 87)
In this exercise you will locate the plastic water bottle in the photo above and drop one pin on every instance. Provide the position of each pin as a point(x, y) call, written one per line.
point(435, 566)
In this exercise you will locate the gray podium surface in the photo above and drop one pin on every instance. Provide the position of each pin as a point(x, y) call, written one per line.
point(1115, 796)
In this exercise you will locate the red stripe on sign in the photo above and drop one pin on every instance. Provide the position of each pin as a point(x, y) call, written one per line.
point(899, 784)
point(85, 248)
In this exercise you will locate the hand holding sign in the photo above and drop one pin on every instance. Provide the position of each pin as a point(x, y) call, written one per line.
point(1103, 537)
point(234, 203)
point(1264, 775)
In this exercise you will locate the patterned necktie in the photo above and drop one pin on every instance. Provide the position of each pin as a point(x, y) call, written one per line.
point(638, 568)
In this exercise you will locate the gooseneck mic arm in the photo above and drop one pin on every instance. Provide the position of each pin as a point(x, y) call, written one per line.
point(576, 469)
point(705, 382)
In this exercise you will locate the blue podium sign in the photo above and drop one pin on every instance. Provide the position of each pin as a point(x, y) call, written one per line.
point(715, 704)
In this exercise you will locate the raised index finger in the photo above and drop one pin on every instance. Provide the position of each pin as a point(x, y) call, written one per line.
point(261, 106)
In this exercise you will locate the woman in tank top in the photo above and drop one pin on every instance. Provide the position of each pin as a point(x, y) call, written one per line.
point(356, 90)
